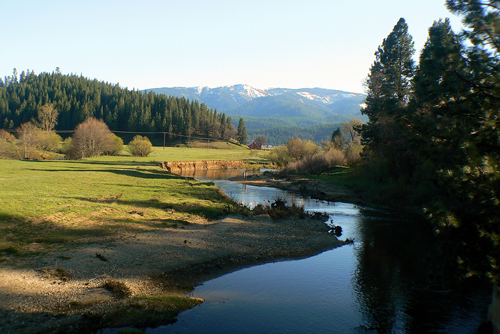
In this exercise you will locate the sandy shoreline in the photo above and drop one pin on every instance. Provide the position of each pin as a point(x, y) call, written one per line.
point(149, 263)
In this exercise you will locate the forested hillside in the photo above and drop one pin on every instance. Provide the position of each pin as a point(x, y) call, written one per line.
point(77, 98)
point(280, 130)
point(280, 135)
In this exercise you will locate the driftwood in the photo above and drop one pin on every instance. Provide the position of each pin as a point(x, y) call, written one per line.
point(101, 257)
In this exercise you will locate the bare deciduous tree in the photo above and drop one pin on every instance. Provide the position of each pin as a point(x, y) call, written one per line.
point(47, 117)
point(349, 134)
point(28, 140)
point(298, 149)
point(91, 138)
point(261, 139)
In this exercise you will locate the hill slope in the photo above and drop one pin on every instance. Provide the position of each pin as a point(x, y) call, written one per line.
point(77, 98)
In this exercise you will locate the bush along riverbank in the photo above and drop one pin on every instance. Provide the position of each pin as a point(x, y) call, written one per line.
point(307, 185)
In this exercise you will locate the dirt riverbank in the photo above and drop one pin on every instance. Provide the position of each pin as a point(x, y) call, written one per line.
point(36, 298)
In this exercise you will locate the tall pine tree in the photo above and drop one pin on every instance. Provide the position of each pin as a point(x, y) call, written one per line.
point(242, 132)
point(456, 123)
point(389, 84)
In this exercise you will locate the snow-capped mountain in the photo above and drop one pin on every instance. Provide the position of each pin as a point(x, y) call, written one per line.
point(245, 100)
point(250, 92)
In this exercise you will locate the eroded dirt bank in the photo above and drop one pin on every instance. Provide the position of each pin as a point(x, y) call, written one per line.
point(150, 264)
point(178, 167)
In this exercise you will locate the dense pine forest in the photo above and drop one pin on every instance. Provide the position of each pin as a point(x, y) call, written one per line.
point(279, 135)
point(77, 98)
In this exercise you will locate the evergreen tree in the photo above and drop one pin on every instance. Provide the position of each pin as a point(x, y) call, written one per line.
point(462, 117)
point(77, 99)
point(438, 123)
point(242, 132)
point(337, 133)
point(455, 126)
point(388, 93)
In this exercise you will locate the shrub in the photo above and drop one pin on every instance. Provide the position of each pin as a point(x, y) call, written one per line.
point(6, 137)
point(66, 145)
point(310, 164)
point(280, 156)
point(140, 146)
point(295, 150)
point(118, 288)
point(49, 141)
point(318, 163)
point(91, 139)
point(335, 157)
point(353, 154)
point(6, 143)
point(117, 146)
point(278, 210)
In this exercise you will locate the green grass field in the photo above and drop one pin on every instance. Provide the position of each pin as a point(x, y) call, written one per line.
point(45, 204)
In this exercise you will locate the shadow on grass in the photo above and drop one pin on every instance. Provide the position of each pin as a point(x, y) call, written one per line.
point(215, 208)
point(19, 236)
point(145, 174)
point(99, 162)
point(23, 237)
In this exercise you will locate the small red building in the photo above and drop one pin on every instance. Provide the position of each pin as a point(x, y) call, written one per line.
point(254, 146)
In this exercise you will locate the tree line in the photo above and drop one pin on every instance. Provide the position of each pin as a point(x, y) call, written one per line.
point(77, 98)
point(433, 134)
point(280, 135)
point(343, 148)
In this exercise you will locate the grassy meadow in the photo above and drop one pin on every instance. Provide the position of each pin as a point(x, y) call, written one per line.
point(53, 203)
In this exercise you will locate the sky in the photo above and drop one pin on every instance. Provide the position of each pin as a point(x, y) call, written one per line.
point(185, 43)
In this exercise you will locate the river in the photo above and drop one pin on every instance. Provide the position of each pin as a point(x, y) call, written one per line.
point(383, 283)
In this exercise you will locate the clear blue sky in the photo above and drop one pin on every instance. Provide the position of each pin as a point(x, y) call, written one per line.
point(166, 43)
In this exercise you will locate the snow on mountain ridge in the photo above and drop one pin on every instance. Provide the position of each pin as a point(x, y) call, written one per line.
point(248, 93)
point(314, 97)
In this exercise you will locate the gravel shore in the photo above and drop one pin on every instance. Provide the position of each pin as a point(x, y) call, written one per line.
point(37, 298)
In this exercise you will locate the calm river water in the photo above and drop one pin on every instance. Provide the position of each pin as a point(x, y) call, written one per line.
point(383, 283)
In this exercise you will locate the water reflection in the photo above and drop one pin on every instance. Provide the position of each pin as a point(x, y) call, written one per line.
point(384, 283)
point(391, 259)
point(396, 285)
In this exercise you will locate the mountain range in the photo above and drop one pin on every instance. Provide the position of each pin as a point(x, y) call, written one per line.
point(244, 100)
point(278, 113)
